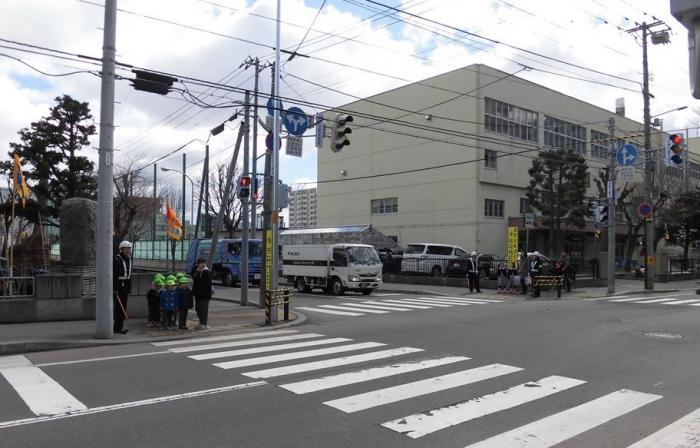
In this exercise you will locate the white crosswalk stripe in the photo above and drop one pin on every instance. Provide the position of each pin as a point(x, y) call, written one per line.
point(222, 338)
point(417, 388)
point(423, 302)
point(442, 301)
point(344, 379)
point(353, 309)
point(470, 299)
point(391, 306)
point(296, 355)
point(405, 304)
point(564, 425)
point(324, 311)
point(333, 362)
point(424, 423)
point(675, 299)
point(683, 433)
point(659, 300)
point(195, 348)
point(269, 348)
point(682, 302)
point(629, 299)
point(374, 307)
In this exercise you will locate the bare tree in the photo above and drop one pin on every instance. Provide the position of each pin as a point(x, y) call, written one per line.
point(134, 205)
point(231, 208)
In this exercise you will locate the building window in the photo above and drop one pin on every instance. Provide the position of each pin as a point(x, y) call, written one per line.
point(493, 208)
point(490, 159)
point(588, 179)
point(564, 135)
point(384, 206)
point(510, 120)
point(693, 170)
point(600, 144)
point(524, 205)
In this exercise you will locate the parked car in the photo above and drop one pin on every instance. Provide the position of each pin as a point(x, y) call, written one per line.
point(430, 258)
point(487, 264)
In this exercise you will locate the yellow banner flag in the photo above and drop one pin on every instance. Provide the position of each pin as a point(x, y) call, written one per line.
point(19, 181)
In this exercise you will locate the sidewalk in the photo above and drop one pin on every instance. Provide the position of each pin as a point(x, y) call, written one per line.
point(224, 316)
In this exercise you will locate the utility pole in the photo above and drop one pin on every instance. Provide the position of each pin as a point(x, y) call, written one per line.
point(105, 215)
point(184, 199)
point(267, 266)
point(207, 229)
point(612, 200)
point(244, 203)
point(201, 192)
point(276, 159)
point(658, 37)
point(226, 196)
point(155, 213)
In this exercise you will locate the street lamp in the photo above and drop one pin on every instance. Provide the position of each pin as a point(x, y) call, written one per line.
point(191, 192)
point(658, 122)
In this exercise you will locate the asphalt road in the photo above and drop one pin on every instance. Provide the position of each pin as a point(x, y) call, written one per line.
point(464, 372)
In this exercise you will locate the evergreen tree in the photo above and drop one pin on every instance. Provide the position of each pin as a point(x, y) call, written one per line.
point(557, 190)
point(51, 151)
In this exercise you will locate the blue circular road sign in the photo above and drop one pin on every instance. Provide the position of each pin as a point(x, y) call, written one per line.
point(627, 155)
point(296, 121)
point(271, 108)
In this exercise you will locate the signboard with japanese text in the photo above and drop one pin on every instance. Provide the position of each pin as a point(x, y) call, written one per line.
point(512, 246)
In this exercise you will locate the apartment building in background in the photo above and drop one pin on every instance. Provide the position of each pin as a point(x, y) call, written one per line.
point(302, 209)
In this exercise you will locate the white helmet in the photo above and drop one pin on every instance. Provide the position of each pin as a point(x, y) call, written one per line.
point(124, 245)
point(474, 253)
point(535, 253)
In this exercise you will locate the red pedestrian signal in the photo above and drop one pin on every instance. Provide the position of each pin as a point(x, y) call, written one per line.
point(244, 187)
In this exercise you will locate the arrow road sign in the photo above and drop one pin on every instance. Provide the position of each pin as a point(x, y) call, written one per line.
point(296, 121)
point(627, 155)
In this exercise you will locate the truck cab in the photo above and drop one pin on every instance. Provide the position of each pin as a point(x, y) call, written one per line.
point(227, 260)
point(335, 268)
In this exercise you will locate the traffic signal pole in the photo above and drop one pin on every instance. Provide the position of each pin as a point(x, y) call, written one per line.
point(649, 168)
point(612, 225)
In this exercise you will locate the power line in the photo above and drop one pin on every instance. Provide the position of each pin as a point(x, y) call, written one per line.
point(318, 13)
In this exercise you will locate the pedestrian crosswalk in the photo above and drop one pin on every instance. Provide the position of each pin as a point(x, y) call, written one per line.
point(689, 299)
point(386, 306)
point(409, 375)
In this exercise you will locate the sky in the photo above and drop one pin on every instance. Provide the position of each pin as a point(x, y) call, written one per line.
point(209, 39)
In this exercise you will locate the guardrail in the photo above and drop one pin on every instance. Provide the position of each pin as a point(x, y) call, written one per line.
point(16, 287)
point(678, 266)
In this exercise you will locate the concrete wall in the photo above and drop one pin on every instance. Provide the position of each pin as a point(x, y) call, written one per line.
point(60, 297)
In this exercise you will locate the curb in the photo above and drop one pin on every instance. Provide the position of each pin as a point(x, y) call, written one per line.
point(10, 348)
point(641, 292)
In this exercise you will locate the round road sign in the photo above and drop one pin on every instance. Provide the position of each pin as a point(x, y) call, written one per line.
point(645, 209)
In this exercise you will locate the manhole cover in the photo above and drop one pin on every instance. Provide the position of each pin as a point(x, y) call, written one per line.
point(663, 335)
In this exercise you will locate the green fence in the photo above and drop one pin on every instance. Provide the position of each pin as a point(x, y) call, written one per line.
point(148, 250)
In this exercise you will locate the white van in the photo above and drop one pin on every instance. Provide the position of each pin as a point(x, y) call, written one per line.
point(334, 268)
point(429, 258)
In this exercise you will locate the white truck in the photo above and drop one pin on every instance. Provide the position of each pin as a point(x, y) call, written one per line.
point(335, 268)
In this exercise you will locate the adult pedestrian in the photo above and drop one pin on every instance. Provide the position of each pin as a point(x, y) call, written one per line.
point(121, 283)
point(201, 290)
point(523, 271)
point(566, 270)
point(473, 273)
point(535, 270)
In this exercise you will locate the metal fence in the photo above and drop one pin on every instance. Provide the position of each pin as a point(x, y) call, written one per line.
point(678, 266)
point(16, 287)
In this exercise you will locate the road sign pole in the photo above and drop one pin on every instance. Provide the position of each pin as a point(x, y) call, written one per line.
point(611, 208)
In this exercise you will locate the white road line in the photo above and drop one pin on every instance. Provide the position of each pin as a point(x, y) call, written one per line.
point(393, 394)
point(694, 304)
point(132, 404)
point(321, 310)
point(471, 299)
point(376, 307)
point(296, 355)
point(663, 299)
point(423, 302)
point(344, 379)
point(195, 348)
point(405, 304)
point(347, 308)
point(390, 306)
point(629, 299)
point(264, 349)
point(679, 434)
point(40, 392)
point(385, 294)
point(222, 338)
point(424, 423)
point(442, 301)
point(682, 302)
point(333, 362)
point(106, 358)
point(564, 425)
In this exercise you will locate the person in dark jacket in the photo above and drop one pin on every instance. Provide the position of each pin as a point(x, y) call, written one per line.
point(153, 298)
point(201, 290)
point(535, 271)
point(121, 283)
point(184, 302)
point(523, 271)
point(473, 273)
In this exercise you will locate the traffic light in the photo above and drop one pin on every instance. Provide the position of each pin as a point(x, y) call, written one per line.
point(340, 132)
point(244, 187)
point(601, 214)
point(674, 150)
point(152, 82)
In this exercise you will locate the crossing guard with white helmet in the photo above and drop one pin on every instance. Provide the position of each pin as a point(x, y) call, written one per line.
point(473, 273)
point(121, 277)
